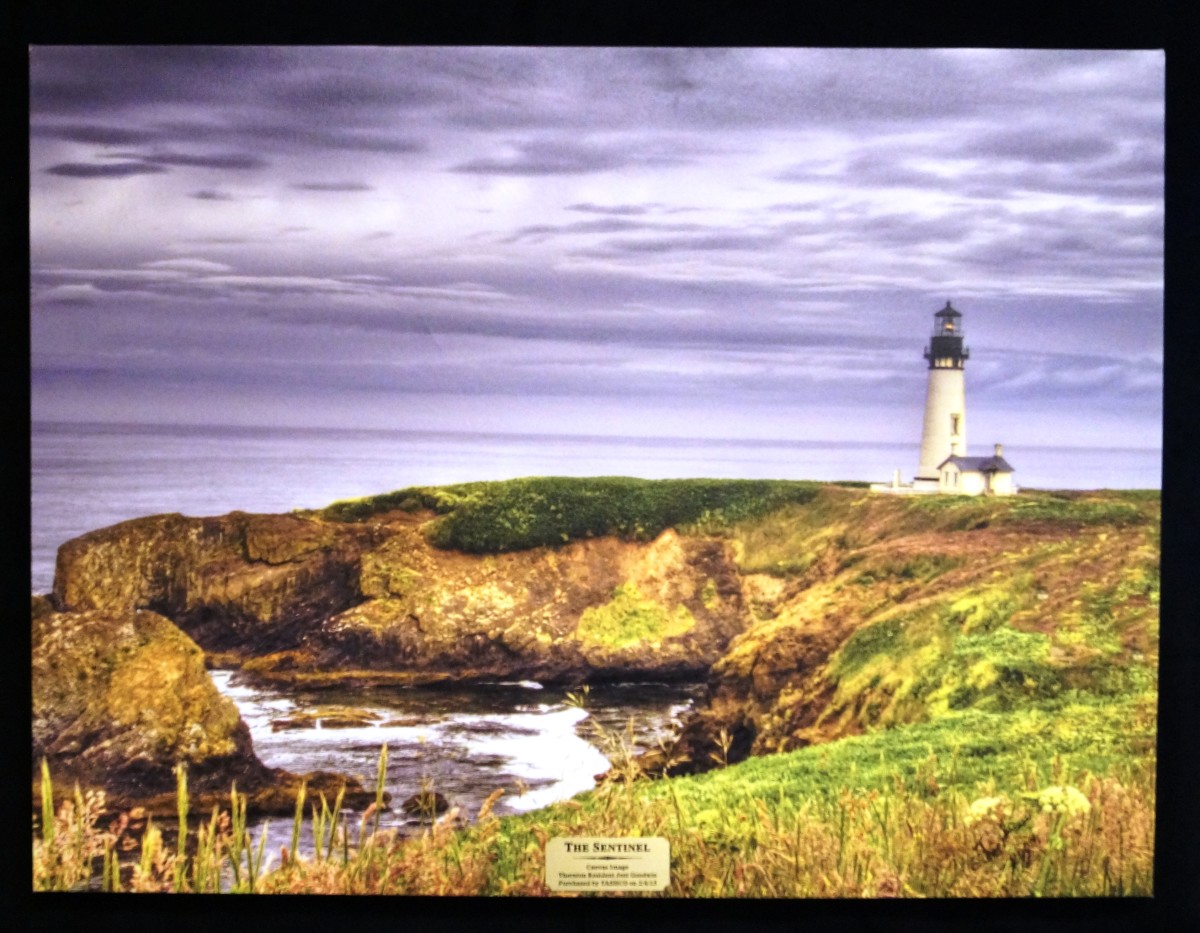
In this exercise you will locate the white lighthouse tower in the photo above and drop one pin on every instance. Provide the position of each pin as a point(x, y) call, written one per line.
point(945, 467)
point(945, 429)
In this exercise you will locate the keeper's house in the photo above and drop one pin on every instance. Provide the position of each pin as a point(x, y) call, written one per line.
point(976, 476)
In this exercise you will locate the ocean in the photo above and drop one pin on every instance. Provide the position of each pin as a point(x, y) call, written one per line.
point(87, 476)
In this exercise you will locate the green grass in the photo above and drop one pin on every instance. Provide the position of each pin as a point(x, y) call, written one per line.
point(1114, 509)
point(971, 751)
point(1042, 803)
point(1068, 508)
point(631, 619)
point(887, 811)
point(961, 652)
point(511, 515)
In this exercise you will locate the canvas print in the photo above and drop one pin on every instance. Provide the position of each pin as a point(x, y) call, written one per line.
point(522, 472)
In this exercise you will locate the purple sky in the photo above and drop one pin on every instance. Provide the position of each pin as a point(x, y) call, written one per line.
point(708, 242)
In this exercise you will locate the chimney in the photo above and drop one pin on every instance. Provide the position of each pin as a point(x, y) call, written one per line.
point(999, 450)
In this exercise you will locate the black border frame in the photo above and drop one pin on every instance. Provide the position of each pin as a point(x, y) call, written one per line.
point(1153, 24)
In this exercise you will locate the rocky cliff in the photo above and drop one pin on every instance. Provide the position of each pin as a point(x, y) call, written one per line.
point(120, 697)
point(304, 599)
point(247, 582)
point(814, 612)
point(913, 610)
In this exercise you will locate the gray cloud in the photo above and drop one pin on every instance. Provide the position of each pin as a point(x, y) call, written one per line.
point(234, 161)
point(545, 157)
point(96, 134)
point(331, 186)
point(109, 170)
point(1015, 380)
point(602, 225)
point(315, 137)
point(66, 79)
point(339, 91)
point(85, 294)
point(619, 210)
point(1039, 144)
point(702, 242)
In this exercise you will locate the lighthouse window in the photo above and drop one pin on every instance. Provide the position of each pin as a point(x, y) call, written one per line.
point(954, 424)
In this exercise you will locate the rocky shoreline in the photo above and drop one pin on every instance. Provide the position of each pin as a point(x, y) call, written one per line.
point(811, 622)
point(139, 610)
point(122, 697)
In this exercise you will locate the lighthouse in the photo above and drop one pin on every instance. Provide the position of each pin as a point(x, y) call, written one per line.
point(945, 428)
point(945, 467)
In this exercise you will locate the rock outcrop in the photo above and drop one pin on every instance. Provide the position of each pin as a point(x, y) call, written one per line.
point(590, 610)
point(248, 582)
point(120, 697)
point(301, 600)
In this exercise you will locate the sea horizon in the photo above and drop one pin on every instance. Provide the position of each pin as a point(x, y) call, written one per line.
point(88, 475)
point(157, 427)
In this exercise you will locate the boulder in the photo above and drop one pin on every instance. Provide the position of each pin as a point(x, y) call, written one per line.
point(120, 698)
point(426, 803)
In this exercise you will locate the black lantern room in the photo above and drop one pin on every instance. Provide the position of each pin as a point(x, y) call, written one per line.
point(946, 350)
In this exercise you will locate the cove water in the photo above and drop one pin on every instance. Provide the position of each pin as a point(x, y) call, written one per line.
point(535, 744)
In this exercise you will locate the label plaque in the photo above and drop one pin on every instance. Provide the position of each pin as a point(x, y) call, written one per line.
point(594, 863)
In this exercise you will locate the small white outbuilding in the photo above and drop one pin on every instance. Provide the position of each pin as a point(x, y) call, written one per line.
point(976, 476)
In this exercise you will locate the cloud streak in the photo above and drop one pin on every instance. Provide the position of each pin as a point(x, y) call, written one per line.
point(343, 186)
point(103, 170)
point(236, 162)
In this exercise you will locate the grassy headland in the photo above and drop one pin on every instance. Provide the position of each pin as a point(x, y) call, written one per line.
point(934, 696)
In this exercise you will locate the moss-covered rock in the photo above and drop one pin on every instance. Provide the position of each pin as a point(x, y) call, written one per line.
point(125, 696)
point(629, 620)
point(431, 614)
point(121, 698)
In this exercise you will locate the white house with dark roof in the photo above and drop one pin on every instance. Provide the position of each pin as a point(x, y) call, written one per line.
point(976, 476)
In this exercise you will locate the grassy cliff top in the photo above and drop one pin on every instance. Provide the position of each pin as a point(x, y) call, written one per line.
point(512, 515)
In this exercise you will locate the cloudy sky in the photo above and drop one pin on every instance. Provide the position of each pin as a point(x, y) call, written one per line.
point(678, 242)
